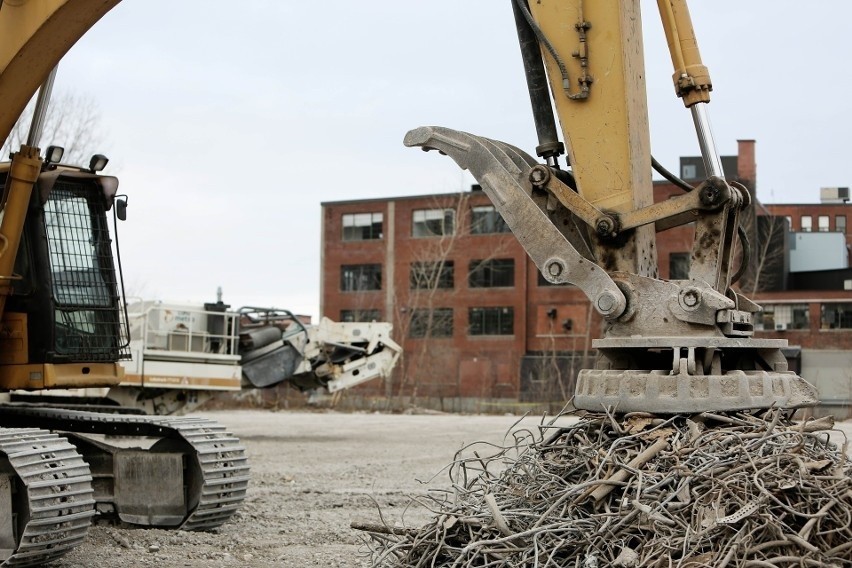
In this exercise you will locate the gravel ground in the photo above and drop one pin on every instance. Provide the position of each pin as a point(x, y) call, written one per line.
point(312, 474)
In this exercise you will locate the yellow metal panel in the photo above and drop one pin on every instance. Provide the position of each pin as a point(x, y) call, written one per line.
point(34, 35)
point(82, 375)
point(27, 377)
point(606, 134)
point(67, 375)
point(23, 173)
point(14, 346)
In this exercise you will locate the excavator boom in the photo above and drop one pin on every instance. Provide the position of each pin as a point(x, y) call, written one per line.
point(36, 35)
point(673, 346)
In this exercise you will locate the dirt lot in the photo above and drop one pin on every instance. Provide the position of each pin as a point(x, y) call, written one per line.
point(312, 473)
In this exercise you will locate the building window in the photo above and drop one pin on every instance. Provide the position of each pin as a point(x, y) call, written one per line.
point(789, 222)
point(822, 223)
point(486, 219)
point(836, 316)
point(840, 223)
point(362, 226)
point(433, 222)
point(679, 266)
point(780, 317)
point(360, 315)
point(494, 273)
point(432, 275)
point(688, 171)
point(491, 321)
point(431, 323)
point(356, 277)
point(807, 224)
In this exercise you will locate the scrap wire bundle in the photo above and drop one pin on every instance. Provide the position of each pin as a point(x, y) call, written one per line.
point(734, 490)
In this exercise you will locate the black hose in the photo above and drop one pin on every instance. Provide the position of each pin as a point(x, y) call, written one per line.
point(741, 233)
point(660, 169)
point(549, 145)
point(563, 70)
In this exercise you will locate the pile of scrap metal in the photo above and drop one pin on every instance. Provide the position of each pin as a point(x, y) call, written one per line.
point(640, 490)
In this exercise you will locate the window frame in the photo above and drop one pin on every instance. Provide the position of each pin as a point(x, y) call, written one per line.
point(446, 218)
point(442, 323)
point(841, 309)
point(431, 275)
point(359, 315)
point(478, 324)
point(372, 272)
point(806, 227)
point(490, 222)
point(783, 317)
point(482, 273)
point(371, 234)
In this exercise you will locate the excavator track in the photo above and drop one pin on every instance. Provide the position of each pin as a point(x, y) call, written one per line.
point(215, 465)
point(53, 496)
point(224, 468)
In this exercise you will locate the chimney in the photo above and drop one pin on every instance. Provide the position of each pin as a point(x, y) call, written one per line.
point(746, 166)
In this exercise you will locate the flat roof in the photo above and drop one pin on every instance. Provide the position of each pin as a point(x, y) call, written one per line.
point(399, 198)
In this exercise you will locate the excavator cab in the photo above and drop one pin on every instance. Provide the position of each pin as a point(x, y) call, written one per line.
point(62, 323)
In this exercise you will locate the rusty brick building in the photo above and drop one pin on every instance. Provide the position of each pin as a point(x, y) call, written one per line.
point(481, 329)
point(467, 304)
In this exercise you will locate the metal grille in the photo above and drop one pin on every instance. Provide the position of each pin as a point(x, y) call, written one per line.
point(90, 326)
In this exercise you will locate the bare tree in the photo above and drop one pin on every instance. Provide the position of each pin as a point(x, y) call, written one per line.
point(73, 121)
point(768, 251)
point(431, 271)
point(433, 274)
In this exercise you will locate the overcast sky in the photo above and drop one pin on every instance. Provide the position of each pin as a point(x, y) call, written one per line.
point(229, 122)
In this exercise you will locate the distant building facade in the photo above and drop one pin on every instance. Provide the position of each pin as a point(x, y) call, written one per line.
point(482, 330)
point(466, 302)
point(813, 310)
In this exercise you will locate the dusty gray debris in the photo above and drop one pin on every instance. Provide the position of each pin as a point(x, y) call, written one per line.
point(737, 489)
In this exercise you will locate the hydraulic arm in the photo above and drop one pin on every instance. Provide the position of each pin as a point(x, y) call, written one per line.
point(669, 346)
point(35, 35)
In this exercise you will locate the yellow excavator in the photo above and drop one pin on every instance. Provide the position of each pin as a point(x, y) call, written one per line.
point(63, 327)
point(670, 346)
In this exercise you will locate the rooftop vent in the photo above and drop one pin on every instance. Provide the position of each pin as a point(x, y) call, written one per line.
point(833, 194)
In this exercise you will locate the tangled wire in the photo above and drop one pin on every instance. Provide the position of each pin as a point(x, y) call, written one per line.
point(735, 490)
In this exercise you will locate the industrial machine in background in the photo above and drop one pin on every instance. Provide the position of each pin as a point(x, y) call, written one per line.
point(182, 355)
